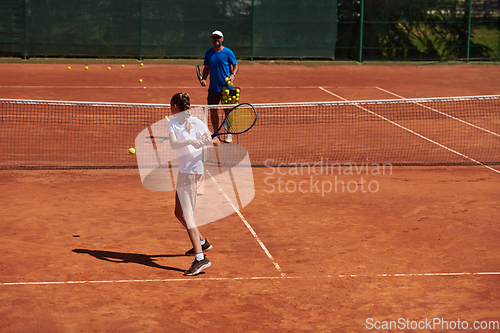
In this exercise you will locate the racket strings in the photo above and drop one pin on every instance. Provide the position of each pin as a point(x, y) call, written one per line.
point(240, 119)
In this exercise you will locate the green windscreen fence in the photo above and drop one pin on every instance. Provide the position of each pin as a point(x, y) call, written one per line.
point(396, 30)
point(167, 28)
point(402, 30)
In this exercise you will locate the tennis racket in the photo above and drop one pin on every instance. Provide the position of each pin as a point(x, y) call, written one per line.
point(198, 73)
point(239, 120)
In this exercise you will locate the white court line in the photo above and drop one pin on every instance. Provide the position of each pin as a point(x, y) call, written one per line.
point(247, 224)
point(417, 134)
point(101, 87)
point(173, 87)
point(341, 276)
point(329, 92)
point(440, 112)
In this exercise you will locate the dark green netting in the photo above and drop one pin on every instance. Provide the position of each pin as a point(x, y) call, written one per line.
point(154, 28)
point(359, 30)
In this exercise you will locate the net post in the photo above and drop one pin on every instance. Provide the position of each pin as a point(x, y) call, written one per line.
point(205, 114)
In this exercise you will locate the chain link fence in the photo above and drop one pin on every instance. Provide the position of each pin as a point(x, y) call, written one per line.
point(394, 30)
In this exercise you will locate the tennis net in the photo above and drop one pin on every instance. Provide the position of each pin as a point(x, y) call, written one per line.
point(432, 131)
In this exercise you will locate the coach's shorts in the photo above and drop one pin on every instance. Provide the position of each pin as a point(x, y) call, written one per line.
point(214, 97)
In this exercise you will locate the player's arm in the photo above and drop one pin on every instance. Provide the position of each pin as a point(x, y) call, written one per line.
point(176, 144)
point(207, 139)
point(234, 71)
point(204, 74)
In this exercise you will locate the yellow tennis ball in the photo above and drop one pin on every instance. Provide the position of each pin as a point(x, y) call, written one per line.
point(123, 66)
point(69, 67)
point(86, 67)
point(140, 80)
point(131, 151)
point(109, 68)
point(142, 64)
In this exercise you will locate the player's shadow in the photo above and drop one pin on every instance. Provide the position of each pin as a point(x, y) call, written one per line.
point(137, 258)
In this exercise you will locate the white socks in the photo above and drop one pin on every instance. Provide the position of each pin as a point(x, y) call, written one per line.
point(200, 256)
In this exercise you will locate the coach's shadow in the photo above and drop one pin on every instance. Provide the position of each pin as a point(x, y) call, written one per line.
point(142, 259)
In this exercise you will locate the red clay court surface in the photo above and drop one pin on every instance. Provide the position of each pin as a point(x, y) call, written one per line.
point(421, 251)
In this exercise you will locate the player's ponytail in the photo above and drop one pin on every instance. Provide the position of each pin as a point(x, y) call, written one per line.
point(182, 101)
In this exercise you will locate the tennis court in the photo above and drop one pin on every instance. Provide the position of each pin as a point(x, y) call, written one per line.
point(321, 247)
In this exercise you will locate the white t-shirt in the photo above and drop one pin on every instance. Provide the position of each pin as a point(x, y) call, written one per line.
point(189, 158)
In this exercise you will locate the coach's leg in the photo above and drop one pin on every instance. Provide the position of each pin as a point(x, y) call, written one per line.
point(214, 98)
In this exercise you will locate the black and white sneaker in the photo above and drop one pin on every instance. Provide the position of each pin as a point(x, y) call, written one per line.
point(198, 266)
point(205, 247)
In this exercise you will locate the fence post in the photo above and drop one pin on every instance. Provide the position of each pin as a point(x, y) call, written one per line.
point(361, 31)
point(469, 30)
point(24, 32)
point(140, 30)
point(252, 32)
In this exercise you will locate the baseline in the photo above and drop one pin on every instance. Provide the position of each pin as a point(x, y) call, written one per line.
point(340, 276)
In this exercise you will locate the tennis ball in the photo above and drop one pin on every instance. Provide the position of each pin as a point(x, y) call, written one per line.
point(131, 151)
point(142, 64)
point(86, 67)
point(69, 67)
point(140, 80)
point(109, 68)
point(123, 66)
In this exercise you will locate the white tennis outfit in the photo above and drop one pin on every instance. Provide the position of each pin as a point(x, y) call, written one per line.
point(189, 158)
point(190, 161)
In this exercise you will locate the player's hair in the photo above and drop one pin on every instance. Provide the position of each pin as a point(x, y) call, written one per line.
point(183, 103)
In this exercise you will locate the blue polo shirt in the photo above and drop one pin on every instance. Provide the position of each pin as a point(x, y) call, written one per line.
point(220, 67)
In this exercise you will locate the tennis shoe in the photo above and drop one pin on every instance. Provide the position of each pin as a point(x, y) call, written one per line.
point(198, 266)
point(205, 247)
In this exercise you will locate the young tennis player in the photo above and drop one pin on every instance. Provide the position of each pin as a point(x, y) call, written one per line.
point(188, 135)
